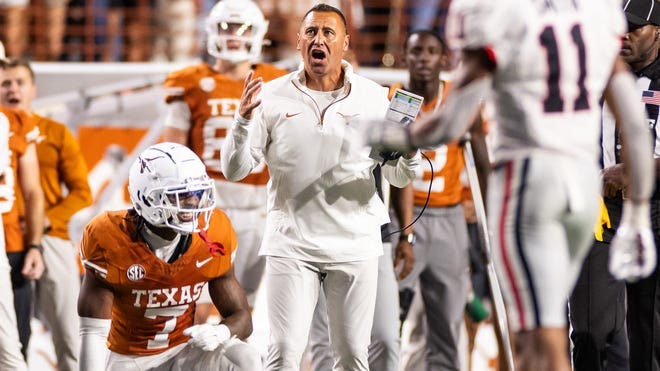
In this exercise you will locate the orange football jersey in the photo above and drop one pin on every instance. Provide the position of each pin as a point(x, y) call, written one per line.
point(153, 301)
point(22, 131)
point(213, 99)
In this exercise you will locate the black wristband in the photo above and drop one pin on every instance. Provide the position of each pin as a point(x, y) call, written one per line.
point(408, 237)
point(36, 246)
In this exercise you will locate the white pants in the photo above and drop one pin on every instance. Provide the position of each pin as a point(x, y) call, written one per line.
point(249, 266)
point(10, 347)
point(234, 355)
point(57, 298)
point(385, 342)
point(541, 212)
point(293, 288)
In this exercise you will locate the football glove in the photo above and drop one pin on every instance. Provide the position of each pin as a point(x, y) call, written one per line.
point(632, 251)
point(385, 136)
point(207, 337)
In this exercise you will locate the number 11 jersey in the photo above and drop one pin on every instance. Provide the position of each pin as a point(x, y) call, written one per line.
point(553, 60)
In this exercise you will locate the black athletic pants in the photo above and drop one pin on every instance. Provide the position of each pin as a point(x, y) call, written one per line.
point(22, 298)
point(644, 311)
point(597, 311)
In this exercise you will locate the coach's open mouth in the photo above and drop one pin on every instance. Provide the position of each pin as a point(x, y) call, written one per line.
point(318, 55)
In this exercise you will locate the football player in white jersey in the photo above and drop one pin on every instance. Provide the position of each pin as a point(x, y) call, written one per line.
point(545, 64)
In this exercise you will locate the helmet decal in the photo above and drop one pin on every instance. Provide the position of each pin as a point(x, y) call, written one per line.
point(169, 187)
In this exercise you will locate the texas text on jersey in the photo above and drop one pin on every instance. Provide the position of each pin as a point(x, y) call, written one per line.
point(213, 98)
point(153, 300)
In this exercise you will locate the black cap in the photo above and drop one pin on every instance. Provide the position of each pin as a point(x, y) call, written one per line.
point(642, 12)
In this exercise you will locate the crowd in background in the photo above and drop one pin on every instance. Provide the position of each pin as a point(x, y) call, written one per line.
point(159, 30)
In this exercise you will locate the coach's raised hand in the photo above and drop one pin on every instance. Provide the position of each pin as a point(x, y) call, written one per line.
point(249, 100)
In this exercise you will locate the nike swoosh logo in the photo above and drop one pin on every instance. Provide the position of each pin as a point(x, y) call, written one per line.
point(200, 264)
point(289, 115)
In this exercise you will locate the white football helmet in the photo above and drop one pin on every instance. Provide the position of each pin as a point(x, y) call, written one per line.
point(238, 22)
point(169, 187)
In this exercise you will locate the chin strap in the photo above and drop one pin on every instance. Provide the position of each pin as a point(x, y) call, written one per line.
point(215, 248)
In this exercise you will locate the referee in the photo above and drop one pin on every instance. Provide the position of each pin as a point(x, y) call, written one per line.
point(597, 307)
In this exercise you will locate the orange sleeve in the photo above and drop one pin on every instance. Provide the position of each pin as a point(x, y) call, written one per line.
point(177, 83)
point(22, 131)
point(222, 231)
point(61, 161)
point(269, 72)
point(91, 251)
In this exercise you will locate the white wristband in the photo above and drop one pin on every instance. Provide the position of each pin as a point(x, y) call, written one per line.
point(93, 348)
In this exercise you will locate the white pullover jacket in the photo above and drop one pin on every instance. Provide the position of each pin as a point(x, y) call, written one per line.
point(322, 200)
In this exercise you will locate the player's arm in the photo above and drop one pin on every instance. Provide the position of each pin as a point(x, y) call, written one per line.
point(177, 111)
point(95, 311)
point(402, 202)
point(175, 135)
point(28, 175)
point(480, 152)
point(621, 96)
point(457, 113)
point(228, 296)
point(632, 251)
point(177, 122)
point(449, 122)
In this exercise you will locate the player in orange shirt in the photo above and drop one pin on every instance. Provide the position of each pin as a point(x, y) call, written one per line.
point(23, 250)
point(61, 166)
point(10, 346)
point(440, 235)
point(202, 100)
point(146, 267)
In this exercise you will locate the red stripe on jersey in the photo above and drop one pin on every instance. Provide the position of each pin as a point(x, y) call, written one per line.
point(504, 247)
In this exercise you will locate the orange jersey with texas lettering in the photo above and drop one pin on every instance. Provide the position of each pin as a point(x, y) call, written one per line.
point(213, 99)
point(154, 301)
point(22, 131)
point(447, 161)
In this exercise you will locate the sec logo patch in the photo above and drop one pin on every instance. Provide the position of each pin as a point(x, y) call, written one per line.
point(135, 272)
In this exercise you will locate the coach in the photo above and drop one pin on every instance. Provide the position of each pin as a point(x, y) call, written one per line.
point(324, 215)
